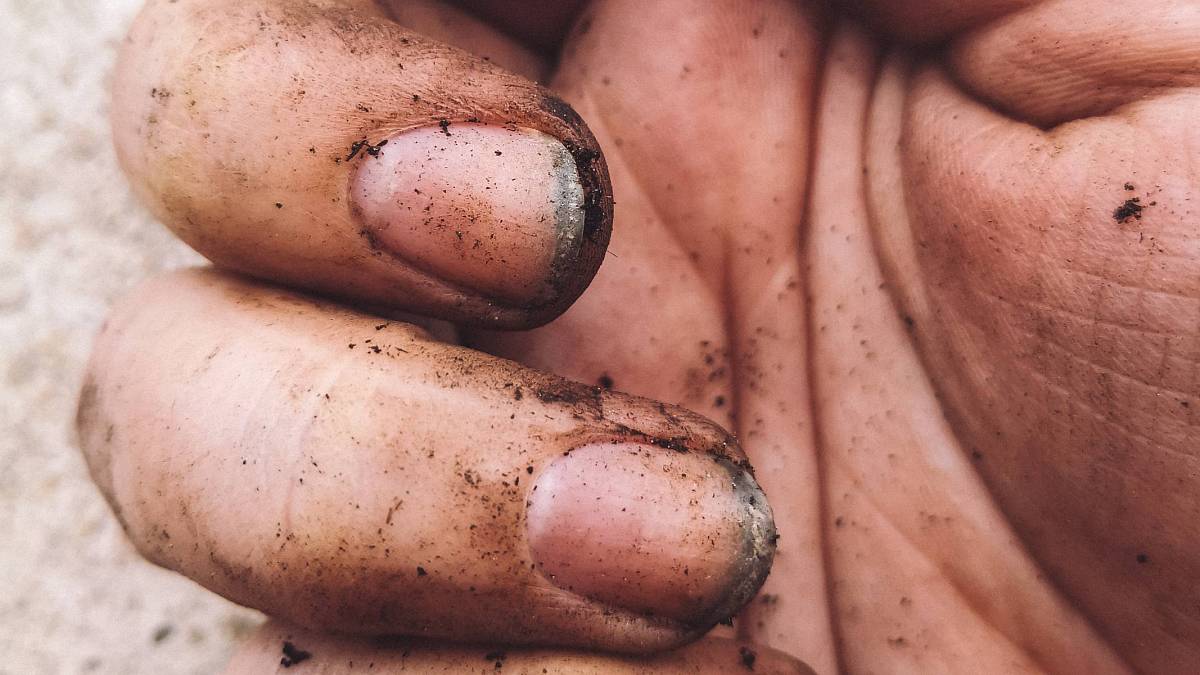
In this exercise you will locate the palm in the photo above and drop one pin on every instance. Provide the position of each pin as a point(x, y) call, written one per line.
point(958, 466)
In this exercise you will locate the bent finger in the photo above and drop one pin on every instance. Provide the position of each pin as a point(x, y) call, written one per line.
point(350, 474)
point(325, 146)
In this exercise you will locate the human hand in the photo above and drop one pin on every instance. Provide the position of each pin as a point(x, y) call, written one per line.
point(805, 252)
point(348, 473)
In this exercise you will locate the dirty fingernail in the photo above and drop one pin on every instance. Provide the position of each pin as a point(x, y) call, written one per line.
point(680, 535)
point(494, 210)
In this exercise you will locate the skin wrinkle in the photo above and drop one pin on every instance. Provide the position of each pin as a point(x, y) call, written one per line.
point(1098, 414)
point(1129, 376)
point(1145, 261)
point(877, 242)
point(823, 460)
point(973, 598)
point(1101, 304)
point(963, 591)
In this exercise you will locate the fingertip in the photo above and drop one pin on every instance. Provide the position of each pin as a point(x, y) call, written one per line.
point(289, 178)
point(679, 535)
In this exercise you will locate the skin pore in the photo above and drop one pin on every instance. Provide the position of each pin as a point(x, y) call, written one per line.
point(932, 263)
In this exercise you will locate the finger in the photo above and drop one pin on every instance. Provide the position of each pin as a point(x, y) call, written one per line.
point(277, 648)
point(324, 146)
point(1092, 62)
point(346, 473)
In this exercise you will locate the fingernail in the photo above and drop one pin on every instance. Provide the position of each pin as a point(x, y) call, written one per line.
point(497, 211)
point(685, 536)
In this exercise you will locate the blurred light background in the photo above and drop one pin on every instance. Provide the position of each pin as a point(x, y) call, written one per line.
point(74, 597)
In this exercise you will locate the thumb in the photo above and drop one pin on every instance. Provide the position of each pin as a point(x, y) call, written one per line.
point(323, 145)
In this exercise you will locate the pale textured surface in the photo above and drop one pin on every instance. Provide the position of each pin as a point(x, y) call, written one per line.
point(73, 595)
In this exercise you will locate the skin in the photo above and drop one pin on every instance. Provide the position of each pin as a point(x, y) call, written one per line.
point(907, 277)
point(401, 656)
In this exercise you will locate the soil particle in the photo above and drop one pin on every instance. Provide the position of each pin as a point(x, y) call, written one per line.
point(497, 658)
point(1131, 208)
point(355, 147)
point(747, 657)
point(569, 393)
point(164, 631)
point(605, 381)
point(445, 125)
point(678, 444)
point(364, 145)
point(293, 655)
point(373, 150)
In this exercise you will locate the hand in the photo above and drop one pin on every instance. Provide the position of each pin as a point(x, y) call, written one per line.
point(351, 473)
point(928, 267)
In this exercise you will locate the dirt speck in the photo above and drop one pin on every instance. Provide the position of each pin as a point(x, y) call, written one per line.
point(1131, 208)
point(293, 655)
point(162, 633)
point(747, 657)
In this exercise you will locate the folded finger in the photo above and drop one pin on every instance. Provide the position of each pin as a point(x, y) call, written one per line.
point(350, 474)
point(325, 146)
